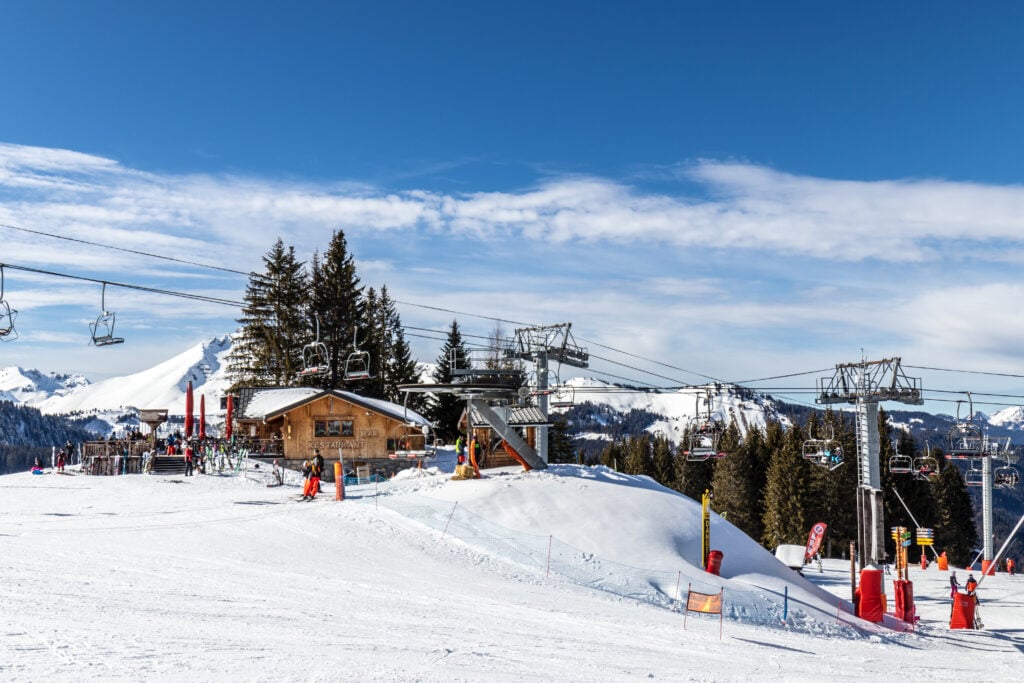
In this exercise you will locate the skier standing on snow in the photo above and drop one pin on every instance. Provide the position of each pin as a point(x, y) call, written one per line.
point(954, 586)
point(307, 474)
point(318, 469)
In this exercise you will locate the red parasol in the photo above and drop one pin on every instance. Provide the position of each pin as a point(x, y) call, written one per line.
point(188, 411)
point(202, 416)
point(227, 418)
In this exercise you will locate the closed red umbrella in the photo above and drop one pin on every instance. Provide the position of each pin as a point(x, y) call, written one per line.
point(188, 411)
point(228, 417)
point(202, 416)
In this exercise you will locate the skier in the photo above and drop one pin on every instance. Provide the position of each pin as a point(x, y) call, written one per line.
point(318, 469)
point(971, 584)
point(307, 474)
point(954, 586)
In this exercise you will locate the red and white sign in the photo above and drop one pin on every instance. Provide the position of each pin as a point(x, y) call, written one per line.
point(814, 539)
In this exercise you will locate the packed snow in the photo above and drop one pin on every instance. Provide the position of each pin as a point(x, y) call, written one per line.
point(426, 578)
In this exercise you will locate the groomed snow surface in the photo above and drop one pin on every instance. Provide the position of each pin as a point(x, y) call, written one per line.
point(566, 574)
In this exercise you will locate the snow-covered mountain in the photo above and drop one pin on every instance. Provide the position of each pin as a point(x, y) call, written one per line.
point(162, 386)
point(31, 386)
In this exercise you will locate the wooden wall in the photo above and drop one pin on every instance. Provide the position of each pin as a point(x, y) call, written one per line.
point(369, 437)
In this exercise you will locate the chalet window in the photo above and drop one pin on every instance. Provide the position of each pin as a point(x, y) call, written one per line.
point(328, 428)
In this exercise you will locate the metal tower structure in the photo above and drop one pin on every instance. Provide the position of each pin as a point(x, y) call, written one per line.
point(866, 384)
point(541, 345)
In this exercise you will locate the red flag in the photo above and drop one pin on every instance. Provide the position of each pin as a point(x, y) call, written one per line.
point(202, 416)
point(188, 411)
point(229, 416)
point(814, 540)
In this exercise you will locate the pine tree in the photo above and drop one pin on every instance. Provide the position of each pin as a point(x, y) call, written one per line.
point(785, 504)
point(560, 446)
point(337, 299)
point(834, 492)
point(268, 349)
point(444, 409)
point(664, 465)
point(955, 529)
point(735, 483)
point(385, 342)
point(638, 455)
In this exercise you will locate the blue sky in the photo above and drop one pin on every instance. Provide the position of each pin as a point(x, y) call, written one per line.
point(739, 190)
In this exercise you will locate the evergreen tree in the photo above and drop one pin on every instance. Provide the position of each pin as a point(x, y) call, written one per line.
point(337, 299)
point(834, 492)
point(735, 483)
point(955, 529)
point(268, 348)
point(785, 504)
point(639, 458)
point(444, 409)
point(664, 465)
point(560, 446)
point(612, 456)
point(385, 342)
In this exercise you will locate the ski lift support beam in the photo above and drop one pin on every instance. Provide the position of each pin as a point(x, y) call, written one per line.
point(866, 384)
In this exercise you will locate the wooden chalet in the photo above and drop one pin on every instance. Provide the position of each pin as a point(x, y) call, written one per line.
point(371, 436)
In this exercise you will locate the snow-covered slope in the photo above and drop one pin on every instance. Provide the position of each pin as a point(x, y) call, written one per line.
point(221, 578)
point(162, 386)
point(31, 387)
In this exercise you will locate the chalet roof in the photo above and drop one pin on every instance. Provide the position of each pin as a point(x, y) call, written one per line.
point(266, 404)
point(515, 416)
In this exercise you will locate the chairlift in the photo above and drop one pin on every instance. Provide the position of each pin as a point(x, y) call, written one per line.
point(901, 464)
point(563, 397)
point(316, 359)
point(1005, 477)
point(705, 433)
point(103, 329)
point(823, 452)
point(411, 439)
point(974, 477)
point(925, 467)
point(7, 314)
point(357, 365)
point(965, 439)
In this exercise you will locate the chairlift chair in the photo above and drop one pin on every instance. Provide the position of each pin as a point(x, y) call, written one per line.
point(7, 314)
point(901, 464)
point(974, 477)
point(965, 439)
point(563, 397)
point(824, 452)
point(926, 467)
point(357, 365)
point(102, 329)
point(705, 434)
point(316, 359)
point(1005, 477)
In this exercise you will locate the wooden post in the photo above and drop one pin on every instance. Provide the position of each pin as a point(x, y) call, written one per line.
point(853, 572)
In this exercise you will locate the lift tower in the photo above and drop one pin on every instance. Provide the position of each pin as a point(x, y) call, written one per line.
point(866, 384)
point(540, 345)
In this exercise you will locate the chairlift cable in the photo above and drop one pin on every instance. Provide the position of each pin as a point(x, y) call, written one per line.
point(124, 285)
point(124, 249)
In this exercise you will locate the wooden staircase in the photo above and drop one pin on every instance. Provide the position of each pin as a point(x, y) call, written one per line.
point(169, 464)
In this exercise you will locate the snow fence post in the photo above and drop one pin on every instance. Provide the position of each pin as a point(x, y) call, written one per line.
point(550, 538)
point(785, 603)
point(339, 482)
point(450, 515)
